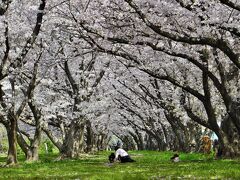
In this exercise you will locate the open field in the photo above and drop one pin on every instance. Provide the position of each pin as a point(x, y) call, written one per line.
point(149, 165)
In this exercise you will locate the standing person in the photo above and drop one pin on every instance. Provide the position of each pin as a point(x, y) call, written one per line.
point(217, 149)
point(122, 155)
point(206, 144)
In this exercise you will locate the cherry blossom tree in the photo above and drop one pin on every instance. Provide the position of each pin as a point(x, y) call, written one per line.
point(14, 59)
point(195, 34)
point(161, 70)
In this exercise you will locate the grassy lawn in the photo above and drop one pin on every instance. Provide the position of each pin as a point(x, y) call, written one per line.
point(149, 165)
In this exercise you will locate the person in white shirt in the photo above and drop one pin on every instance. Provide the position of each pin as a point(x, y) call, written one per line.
point(122, 155)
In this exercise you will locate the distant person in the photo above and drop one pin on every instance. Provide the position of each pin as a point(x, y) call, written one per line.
point(111, 158)
point(192, 146)
point(206, 144)
point(1, 148)
point(217, 149)
point(119, 143)
point(122, 155)
point(175, 158)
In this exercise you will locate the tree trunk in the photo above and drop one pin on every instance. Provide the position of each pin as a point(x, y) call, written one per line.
point(229, 150)
point(179, 130)
point(31, 151)
point(229, 139)
point(36, 141)
point(234, 114)
point(12, 142)
point(102, 145)
point(73, 144)
point(138, 140)
point(89, 137)
point(32, 154)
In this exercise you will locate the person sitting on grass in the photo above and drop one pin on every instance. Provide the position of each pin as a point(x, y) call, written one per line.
point(122, 155)
point(175, 158)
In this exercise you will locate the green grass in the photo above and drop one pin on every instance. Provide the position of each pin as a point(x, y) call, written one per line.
point(149, 165)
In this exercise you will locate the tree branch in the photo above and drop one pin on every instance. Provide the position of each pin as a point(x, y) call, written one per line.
point(29, 43)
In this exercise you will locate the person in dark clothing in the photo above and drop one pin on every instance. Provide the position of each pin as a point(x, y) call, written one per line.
point(111, 158)
point(217, 149)
point(175, 158)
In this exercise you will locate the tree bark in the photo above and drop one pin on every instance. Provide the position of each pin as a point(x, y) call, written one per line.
point(229, 139)
point(12, 141)
point(89, 137)
point(31, 151)
point(73, 144)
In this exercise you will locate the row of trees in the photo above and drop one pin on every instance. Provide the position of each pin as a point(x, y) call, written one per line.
point(154, 73)
point(191, 46)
